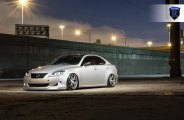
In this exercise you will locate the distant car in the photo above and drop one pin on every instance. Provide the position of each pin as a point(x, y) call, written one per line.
point(72, 72)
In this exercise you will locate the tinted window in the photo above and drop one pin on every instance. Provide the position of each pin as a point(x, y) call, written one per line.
point(70, 59)
point(86, 60)
point(94, 60)
point(98, 61)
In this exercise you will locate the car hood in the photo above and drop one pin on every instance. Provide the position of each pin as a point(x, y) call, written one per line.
point(52, 68)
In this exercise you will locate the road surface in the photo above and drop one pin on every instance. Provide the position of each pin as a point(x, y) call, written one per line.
point(155, 99)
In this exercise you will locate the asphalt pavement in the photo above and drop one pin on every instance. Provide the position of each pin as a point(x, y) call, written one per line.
point(131, 99)
point(139, 86)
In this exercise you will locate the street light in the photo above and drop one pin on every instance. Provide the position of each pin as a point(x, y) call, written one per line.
point(113, 38)
point(62, 28)
point(169, 44)
point(181, 42)
point(78, 33)
point(169, 25)
point(23, 3)
point(169, 29)
point(149, 43)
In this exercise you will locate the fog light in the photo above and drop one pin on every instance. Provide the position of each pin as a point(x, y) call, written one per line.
point(56, 84)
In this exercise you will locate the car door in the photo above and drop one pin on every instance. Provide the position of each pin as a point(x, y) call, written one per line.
point(100, 70)
point(88, 72)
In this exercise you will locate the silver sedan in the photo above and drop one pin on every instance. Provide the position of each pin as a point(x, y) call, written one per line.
point(72, 72)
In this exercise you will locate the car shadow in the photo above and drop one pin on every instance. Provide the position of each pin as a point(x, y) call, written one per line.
point(87, 88)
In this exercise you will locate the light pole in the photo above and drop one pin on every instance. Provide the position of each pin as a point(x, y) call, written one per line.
point(149, 43)
point(175, 57)
point(78, 33)
point(23, 3)
point(169, 29)
point(62, 29)
point(89, 37)
point(125, 41)
point(113, 39)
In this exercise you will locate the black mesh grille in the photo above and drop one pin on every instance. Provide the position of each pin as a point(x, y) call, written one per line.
point(38, 75)
point(38, 85)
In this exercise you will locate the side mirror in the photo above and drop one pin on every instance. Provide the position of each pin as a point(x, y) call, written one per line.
point(87, 64)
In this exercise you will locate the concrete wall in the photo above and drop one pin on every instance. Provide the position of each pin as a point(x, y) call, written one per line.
point(18, 54)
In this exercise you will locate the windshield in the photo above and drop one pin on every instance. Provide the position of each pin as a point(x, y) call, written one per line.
point(70, 59)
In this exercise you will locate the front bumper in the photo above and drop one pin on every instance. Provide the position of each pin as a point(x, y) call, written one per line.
point(46, 83)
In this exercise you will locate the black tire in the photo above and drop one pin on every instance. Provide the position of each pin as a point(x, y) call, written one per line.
point(111, 82)
point(72, 82)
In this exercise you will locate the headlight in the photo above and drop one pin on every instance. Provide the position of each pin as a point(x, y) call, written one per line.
point(57, 73)
point(28, 74)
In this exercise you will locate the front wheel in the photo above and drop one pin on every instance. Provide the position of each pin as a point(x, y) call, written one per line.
point(111, 80)
point(72, 82)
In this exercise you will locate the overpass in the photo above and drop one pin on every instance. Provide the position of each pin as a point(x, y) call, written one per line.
point(21, 53)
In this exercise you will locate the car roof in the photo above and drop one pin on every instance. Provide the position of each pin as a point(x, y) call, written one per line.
point(85, 55)
point(82, 55)
point(72, 55)
point(97, 56)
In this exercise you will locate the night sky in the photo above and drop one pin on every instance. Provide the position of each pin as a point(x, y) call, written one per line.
point(129, 19)
point(133, 16)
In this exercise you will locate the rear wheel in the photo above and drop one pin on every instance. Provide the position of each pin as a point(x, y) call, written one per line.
point(72, 82)
point(111, 80)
